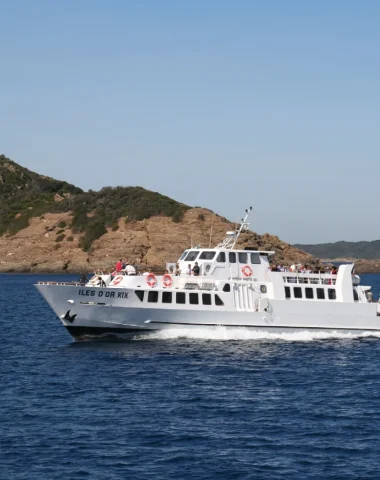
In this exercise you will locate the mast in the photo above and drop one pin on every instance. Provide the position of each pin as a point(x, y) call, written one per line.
point(233, 236)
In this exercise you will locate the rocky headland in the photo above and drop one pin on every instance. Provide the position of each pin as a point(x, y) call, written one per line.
point(51, 226)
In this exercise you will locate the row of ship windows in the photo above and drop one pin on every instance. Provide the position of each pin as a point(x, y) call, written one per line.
point(233, 257)
point(308, 292)
point(180, 298)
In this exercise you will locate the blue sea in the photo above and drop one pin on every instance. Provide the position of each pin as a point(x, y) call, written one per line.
point(216, 405)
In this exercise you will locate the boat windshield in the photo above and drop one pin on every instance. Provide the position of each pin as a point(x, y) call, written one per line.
point(184, 254)
point(192, 255)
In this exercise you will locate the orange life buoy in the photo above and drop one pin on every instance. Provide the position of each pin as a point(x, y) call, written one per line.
point(247, 271)
point(118, 279)
point(167, 280)
point(151, 280)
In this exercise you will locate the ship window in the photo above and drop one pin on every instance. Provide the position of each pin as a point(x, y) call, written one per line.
point(255, 259)
point(181, 297)
point(243, 257)
point(166, 297)
point(356, 296)
point(184, 254)
point(309, 293)
point(287, 292)
point(232, 257)
point(206, 298)
point(191, 256)
point(207, 255)
point(332, 293)
point(140, 294)
point(227, 287)
point(320, 293)
point(218, 301)
point(297, 291)
point(193, 298)
point(152, 296)
point(221, 257)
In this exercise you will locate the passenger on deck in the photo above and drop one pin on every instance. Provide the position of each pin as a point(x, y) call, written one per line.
point(177, 270)
point(189, 270)
point(119, 266)
point(100, 282)
point(130, 269)
point(83, 279)
point(196, 269)
point(334, 271)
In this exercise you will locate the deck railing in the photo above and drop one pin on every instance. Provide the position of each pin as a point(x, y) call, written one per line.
point(306, 278)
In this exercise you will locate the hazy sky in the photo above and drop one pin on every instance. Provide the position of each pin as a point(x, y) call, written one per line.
point(221, 104)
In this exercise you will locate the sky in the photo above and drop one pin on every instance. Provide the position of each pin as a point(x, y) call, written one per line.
point(219, 104)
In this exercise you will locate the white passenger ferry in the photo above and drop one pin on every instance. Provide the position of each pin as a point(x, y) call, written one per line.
point(234, 288)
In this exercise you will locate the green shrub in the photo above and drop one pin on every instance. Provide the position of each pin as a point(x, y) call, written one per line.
point(94, 231)
point(60, 231)
point(19, 224)
point(70, 238)
point(177, 216)
point(62, 224)
point(201, 217)
point(60, 237)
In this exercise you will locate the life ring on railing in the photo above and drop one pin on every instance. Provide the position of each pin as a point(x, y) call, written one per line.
point(151, 280)
point(247, 271)
point(167, 280)
point(118, 279)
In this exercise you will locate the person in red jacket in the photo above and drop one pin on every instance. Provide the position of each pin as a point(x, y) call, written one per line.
point(119, 265)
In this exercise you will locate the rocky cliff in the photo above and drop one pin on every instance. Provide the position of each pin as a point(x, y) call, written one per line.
point(49, 244)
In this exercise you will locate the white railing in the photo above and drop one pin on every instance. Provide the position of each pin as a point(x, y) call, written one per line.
point(306, 278)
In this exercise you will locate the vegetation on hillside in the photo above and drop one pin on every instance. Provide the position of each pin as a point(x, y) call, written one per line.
point(94, 212)
point(364, 250)
point(24, 194)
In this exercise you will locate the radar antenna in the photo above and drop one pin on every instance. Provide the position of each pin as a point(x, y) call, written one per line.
point(233, 236)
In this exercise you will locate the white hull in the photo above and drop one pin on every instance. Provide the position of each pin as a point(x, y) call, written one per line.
point(128, 315)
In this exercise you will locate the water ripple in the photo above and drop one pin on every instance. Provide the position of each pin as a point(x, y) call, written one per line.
point(205, 404)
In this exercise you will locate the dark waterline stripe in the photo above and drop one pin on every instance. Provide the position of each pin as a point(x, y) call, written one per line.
point(81, 331)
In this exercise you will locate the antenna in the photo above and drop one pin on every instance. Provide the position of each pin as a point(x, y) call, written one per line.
point(212, 221)
point(232, 237)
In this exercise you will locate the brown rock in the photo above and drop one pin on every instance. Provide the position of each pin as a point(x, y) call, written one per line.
point(153, 242)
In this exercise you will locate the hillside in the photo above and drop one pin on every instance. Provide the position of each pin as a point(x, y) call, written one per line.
point(344, 250)
point(48, 225)
point(25, 195)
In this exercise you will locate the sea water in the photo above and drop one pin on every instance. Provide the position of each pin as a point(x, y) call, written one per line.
point(209, 404)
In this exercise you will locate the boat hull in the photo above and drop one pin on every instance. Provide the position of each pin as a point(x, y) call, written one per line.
point(86, 314)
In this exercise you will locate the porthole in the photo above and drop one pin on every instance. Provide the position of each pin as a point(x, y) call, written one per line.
point(263, 288)
point(208, 268)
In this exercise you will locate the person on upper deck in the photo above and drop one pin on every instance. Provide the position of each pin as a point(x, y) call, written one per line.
point(334, 271)
point(119, 266)
point(83, 279)
point(196, 269)
point(177, 270)
point(130, 269)
point(189, 270)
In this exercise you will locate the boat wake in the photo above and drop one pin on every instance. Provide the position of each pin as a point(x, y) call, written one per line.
point(245, 334)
